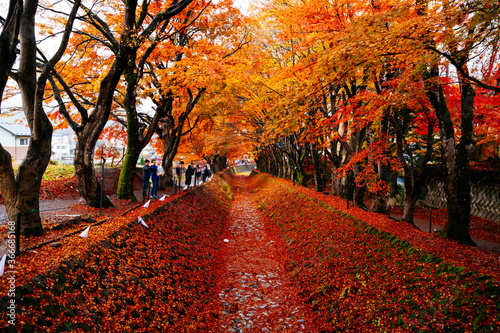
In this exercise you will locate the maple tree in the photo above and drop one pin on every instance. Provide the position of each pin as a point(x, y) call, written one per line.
point(86, 111)
point(141, 127)
point(195, 75)
point(351, 91)
point(20, 191)
point(8, 42)
point(462, 25)
point(356, 64)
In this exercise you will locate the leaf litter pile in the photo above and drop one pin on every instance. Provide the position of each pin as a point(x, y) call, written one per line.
point(126, 276)
point(362, 271)
point(277, 258)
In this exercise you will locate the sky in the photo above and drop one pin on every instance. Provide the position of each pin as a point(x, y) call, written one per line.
point(242, 4)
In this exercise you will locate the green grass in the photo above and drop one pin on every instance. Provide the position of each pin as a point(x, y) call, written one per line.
point(55, 172)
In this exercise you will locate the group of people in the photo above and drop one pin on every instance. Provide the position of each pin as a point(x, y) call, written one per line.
point(196, 173)
point(152, 170)
point(151, 175)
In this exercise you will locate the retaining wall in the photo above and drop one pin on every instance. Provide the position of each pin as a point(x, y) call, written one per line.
point(485, 201)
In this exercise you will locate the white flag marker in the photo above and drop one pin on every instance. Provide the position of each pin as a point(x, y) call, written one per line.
point(226, 240)
point(146, 205)
point(163, 197)
point(2, 264)
point(85, 232)
point(141, 221)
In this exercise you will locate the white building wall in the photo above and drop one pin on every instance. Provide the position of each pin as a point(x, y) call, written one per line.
point(22, 142)
point(6, 138)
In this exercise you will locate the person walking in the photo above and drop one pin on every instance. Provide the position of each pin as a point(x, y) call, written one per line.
point(197, 174)
point(204, 173)
point(179, 168)
point(155, 179)
point(189, 174)
point(209, 172)
point(146, 176)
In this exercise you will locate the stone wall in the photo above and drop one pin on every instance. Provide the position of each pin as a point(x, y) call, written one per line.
point(241, 168)
point(485, 199)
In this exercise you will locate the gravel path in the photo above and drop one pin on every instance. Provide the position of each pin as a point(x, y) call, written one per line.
point(258, 295)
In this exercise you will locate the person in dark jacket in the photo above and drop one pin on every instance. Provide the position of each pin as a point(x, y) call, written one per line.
point(155, 179)
point(204, 173)
point(189, 174)
point(146, 175)
point(197, 174)
point(179, 169)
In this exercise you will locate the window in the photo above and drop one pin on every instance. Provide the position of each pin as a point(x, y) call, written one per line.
point(61, 147)
point(23, 142)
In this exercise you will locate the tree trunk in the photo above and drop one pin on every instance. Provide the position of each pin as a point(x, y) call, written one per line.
point(171, 133)
point(357, 141)
point(393, 184)
point(334, 155)
point(459, 222)
point(411, 196)
point(348, 190)
point(272, 161)
point(9, 41)
point(125, 188)
point(301, 177)
point(89, 185)
point(286, 168)
point(22, 195)
point(413, 176)
point(336, 185)
point(87, 137)
point(279, 164)
point(219, 163)
point(318, 180)
point(409, 208)
point(358, 197)
point(169, 152)
point(136, 138)
point(383, 171)
point(458, 183)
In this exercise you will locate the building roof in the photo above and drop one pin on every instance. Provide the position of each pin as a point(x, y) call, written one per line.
point(15, 128)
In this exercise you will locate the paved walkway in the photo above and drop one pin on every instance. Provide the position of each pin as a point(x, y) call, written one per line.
point(423, 225)
point(47, 208)
point(258, 295)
